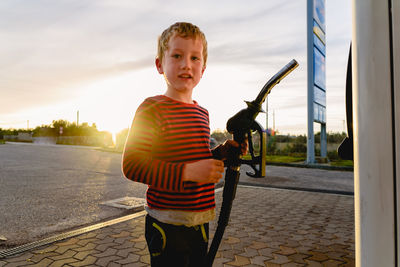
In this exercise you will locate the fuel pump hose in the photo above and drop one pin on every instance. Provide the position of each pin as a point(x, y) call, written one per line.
point(239, 125)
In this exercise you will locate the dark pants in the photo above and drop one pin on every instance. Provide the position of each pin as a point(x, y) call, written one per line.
point(171, 245)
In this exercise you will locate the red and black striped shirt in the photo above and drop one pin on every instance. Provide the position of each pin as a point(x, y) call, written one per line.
point(166, 134)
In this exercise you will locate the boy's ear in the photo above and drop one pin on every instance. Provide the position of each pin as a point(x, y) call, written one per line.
point(159, 66)
point(202, 71)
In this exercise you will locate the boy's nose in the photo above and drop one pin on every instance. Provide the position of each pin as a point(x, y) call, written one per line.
point(186, 63)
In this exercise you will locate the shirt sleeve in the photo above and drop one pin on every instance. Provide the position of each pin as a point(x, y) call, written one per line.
point(138, 163)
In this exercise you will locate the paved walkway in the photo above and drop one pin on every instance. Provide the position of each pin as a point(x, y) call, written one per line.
point(268, 227)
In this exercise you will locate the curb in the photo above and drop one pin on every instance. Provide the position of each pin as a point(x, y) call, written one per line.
point(304, 189)
point(312, 166)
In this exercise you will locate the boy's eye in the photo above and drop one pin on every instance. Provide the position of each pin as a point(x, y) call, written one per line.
point(195, 58)
point(176, 56)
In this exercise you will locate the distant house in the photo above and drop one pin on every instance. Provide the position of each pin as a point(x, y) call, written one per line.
point(25, 137)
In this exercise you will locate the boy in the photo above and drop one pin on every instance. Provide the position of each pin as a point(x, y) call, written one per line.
point(168, 149)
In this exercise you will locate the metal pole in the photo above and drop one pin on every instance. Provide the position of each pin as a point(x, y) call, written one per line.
point(323, 140)
point(310, 84)
point(273, 120)
point(266, 110)
point(265, 143)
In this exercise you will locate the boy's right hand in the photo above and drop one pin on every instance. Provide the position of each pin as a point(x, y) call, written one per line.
point(203, 171)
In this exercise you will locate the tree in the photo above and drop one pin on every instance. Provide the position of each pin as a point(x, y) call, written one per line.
point(121, 138)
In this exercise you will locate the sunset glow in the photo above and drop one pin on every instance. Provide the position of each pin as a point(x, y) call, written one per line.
point(108, 69)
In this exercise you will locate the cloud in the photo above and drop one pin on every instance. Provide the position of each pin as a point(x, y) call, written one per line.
point(43, 84)
point(51, 48)
point(255, 53)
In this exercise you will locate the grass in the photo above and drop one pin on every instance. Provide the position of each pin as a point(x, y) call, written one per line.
point(342, 163)
point(2, 142)
point(284, 159)
point(301, 159)
point(280, 159)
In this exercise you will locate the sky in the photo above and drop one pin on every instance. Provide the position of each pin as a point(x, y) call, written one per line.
point(97, 57)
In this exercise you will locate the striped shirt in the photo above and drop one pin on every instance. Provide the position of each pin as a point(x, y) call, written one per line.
point(166, 134)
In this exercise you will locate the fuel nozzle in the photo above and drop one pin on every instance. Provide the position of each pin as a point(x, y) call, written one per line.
point(241, 122)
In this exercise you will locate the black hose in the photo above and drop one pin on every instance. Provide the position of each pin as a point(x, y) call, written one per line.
point(226, 207)
point(239, 125)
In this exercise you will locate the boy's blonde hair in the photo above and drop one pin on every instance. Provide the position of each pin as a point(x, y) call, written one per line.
point(184, 30)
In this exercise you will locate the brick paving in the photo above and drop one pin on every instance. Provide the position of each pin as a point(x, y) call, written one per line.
point(268, 227)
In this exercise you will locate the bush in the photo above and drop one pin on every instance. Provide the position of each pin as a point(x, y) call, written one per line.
point(282, 138)
point(298, 148)
point(333, 155)
point(271, 146)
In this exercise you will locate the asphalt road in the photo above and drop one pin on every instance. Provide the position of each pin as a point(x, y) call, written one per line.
point(46, 189)
point(308, 179)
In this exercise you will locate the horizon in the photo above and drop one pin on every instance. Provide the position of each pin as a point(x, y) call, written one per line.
point(90, 124)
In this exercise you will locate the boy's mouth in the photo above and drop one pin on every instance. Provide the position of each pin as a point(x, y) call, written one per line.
point(185, 76)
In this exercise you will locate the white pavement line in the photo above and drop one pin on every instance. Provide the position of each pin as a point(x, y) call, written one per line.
point(52, 239)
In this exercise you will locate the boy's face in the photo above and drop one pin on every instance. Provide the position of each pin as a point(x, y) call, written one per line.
point(182, 64)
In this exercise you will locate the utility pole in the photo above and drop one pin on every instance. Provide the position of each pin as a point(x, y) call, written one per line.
point(266, 110)
point(77, 118)
point(273, 117)
point(27, 125)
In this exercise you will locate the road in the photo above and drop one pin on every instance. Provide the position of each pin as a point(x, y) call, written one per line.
point(308, 179)
point(45, 189)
